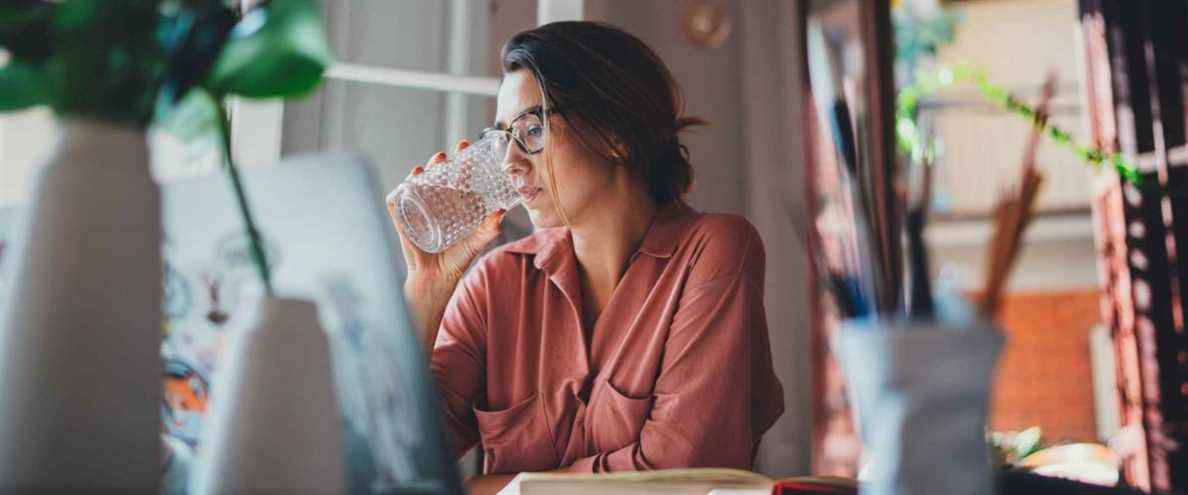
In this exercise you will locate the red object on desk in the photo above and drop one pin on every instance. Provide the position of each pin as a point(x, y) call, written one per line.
point(808, 488)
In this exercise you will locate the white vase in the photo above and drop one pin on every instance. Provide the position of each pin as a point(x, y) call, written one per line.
point(80, 371)
point(274, 424)
point(920, 392)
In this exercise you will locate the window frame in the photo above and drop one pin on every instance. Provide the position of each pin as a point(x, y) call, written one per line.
point(257, 126)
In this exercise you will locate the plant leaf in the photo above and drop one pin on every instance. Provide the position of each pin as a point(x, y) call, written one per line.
point(276, 50)
point(21, 86)
point(14, 12)
point(25, 29)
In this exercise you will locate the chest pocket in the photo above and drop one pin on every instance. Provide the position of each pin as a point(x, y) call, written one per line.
point(516, 439)
point(615, 419)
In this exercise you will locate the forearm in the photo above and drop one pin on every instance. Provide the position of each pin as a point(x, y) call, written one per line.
point(650, 454)
point(427, 301)
point(627, 458)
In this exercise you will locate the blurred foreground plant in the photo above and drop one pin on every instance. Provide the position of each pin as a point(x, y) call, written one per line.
point(277, 49)
point(133, 62)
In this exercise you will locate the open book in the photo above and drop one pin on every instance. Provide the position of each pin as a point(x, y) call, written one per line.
point(701, 481)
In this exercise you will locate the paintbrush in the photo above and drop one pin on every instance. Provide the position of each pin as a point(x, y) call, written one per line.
point(833, 115)
point(845, 289)
point(921, 305)
point(1015, 211)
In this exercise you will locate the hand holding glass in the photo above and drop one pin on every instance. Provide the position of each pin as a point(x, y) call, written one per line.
point(448, 201)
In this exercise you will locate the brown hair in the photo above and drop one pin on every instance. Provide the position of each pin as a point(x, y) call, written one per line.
point(617, 88)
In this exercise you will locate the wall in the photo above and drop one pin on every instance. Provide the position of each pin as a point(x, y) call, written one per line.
point(1044, 376)
point(711, 81)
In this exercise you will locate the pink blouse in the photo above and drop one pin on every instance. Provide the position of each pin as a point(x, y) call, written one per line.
point(676, 372)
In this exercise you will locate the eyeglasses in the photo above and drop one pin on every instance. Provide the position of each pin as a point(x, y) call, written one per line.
point(528, 130)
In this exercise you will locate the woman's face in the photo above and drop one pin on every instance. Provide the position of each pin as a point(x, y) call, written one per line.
point(583, 176)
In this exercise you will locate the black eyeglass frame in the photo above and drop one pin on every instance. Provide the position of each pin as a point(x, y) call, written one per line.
point(539, 112)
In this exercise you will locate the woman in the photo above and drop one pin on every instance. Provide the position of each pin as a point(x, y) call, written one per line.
point(628, 332)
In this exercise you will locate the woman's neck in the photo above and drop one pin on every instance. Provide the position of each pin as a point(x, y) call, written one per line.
point(606, 239)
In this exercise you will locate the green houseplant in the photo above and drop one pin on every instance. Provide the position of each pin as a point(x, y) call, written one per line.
point(84, 58)
point(79, 365)
point(79, 330)
point(276, 50)
point(126, 61)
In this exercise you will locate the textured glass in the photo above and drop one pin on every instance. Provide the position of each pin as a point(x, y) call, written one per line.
point(449, 200)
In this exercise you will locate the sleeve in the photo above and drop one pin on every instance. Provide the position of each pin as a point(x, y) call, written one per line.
point(458, 363)
point(716, 392)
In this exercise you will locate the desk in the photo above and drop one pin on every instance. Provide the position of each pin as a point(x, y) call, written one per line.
point(1010, 482)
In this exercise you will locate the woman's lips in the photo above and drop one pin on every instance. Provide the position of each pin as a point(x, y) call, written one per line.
point(529, 193)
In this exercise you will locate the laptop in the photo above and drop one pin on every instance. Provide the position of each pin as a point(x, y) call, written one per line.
point(327, 235)
point(328, 238)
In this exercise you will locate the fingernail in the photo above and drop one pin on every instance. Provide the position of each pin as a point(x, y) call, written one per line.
point(419, 170)
point(439, 155)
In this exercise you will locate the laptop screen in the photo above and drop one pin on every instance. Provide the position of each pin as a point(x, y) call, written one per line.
point(328, 239)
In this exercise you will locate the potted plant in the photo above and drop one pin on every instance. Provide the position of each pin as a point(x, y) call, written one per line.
point(277, 50)
point(79, 342)
point(79, 366)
